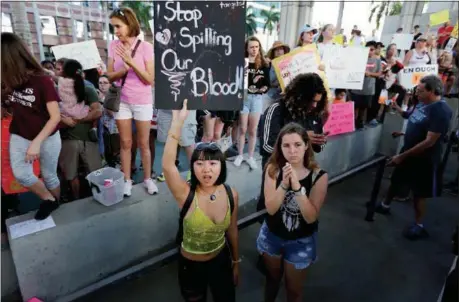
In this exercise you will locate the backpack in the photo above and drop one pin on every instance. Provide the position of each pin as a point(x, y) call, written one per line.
point(187, 205)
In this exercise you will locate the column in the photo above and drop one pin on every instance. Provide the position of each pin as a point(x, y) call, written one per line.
point(294, 15)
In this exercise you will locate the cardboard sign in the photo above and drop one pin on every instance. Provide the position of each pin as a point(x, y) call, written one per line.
point(411, 76)
point(345, 66)
point(454, 33)
point(450, 45)
point(403, 41)
point(439, 17)
point(9, 184)
point(341, 119)
point(84, 52)
point(198, 54)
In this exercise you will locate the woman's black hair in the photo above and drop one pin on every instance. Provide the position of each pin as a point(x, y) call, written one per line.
point(92, 75)
point(300, 93)
point(72, 69)
point(208, 152)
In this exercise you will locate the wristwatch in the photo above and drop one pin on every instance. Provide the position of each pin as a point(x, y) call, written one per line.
point(301, 192)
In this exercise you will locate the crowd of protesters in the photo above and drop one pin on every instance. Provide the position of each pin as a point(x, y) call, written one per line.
point(59, 119)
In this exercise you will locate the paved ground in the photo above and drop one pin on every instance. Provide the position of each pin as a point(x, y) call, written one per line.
point(359, 261)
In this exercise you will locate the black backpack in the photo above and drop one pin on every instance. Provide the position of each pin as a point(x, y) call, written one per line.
point(186, 207)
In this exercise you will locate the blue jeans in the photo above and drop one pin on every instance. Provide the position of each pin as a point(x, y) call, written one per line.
point(49, 155)
point(300, 252)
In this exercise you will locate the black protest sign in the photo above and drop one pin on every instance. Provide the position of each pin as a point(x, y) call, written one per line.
point(199, 54)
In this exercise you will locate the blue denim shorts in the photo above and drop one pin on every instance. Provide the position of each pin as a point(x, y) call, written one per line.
point(253, 104)
point(301, 252)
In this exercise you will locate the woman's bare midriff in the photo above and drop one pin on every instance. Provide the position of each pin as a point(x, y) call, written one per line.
point(200, 257)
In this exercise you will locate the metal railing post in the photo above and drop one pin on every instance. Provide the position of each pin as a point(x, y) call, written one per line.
point(371, 205)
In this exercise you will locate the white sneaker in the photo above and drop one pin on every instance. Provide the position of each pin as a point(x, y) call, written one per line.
point(150, 185)
point(238, 160)
point(252, 163)
point(127, 187)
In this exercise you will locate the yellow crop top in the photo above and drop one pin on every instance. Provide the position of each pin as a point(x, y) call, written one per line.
point(200, 234)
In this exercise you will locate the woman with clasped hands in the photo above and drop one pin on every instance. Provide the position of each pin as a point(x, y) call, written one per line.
point(136, 94)
point(205, 259)
point(294, 192)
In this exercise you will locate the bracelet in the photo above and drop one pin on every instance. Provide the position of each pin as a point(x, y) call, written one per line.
point(236, 261)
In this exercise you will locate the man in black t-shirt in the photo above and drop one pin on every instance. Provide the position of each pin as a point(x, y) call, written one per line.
point(417, 33)
point(417, 164)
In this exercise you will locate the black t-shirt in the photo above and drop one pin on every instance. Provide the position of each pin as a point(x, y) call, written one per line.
point(258, 78)
point(416, 36)
point(288, 222)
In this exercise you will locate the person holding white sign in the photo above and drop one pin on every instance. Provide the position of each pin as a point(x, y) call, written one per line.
point(136, 94)
point(419, 55)
point(326, 38)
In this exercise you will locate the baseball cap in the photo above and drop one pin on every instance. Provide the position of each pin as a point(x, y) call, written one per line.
point(307, 28)
point(421, 38)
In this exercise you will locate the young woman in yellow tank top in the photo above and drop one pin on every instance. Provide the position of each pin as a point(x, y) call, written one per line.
point(205, 258)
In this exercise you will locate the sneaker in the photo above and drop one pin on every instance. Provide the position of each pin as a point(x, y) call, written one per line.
point(415, 232)
point(153, 175)
point(161, 178)
point(373, 123)
point(252, 163)
point(238, 160)
point(127, 187)
point(150, 185)
point(46, 208)
point(382, 210)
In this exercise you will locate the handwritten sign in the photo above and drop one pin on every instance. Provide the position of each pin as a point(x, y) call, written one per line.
point(9, 183)
point(30, 226)
point(341, 119)
point(84, 52)
point(439, 17)
point(301, 60)
point(345, 66)
point(411, 76)
point(450, 45)
point(403, 41)
point(198, 54)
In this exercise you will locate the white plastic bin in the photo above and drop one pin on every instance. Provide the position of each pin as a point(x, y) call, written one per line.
point(107, 195)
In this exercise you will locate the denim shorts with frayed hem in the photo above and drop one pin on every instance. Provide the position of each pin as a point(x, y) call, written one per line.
point(301, 252)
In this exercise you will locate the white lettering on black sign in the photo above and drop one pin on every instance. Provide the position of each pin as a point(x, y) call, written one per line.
point(195, 57)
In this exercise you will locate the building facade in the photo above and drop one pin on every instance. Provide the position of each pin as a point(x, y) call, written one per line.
point(66, 22)
point(265, 37)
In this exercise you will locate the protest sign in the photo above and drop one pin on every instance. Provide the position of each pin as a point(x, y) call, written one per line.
point(450, 45)
point(403, 41)
point(9, 184)
point(198, 54)
point(454, 33)
point(345, 66)
point(341, 119)
point(301, 60)
point(411, 76)
point(439, 17)
point(84, 52)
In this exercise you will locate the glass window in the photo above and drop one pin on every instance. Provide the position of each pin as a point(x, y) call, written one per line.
point(48, 53)
point(88, 28)
point(79, 29)
point(48, 25)
point(75, 2)
point(6, 23)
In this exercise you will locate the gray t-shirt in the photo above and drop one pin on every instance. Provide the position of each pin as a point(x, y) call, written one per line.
point(369, 83)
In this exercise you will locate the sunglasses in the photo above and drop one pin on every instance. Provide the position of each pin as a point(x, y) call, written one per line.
point(119, 12)
point(207, 146)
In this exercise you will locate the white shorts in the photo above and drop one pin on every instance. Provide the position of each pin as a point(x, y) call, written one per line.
point(137, 112)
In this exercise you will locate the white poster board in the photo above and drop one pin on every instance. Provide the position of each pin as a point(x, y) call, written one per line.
point(403, 41)
point(84, 52)
point(345, 66)
point(411, 76)
point(450, 45)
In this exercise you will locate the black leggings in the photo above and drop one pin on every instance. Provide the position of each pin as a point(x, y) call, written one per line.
point(217, 273)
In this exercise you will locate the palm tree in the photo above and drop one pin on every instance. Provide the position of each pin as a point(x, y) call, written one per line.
point(271, 18)
point(20, 22)
point(384, 8)
point(250, 23)
point(142, 10)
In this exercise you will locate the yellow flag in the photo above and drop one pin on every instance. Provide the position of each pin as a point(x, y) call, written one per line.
point(439, 17)
point(454, 32)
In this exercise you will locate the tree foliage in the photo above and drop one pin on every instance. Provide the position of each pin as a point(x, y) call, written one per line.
point(384, 8)
point(271, 17)
point(250, 23)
